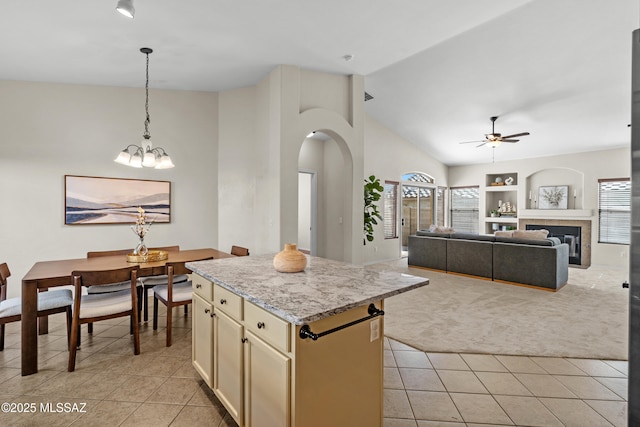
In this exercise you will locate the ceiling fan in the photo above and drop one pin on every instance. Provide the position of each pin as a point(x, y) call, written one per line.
point(494, 139)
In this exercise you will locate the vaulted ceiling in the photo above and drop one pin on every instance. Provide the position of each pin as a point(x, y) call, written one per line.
point(437, 69)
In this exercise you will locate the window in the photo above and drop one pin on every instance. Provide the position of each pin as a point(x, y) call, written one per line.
point(390, 213)
point(465, 209)
point(614, 211)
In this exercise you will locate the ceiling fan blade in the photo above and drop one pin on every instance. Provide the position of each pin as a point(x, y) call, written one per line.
point(515, 135)
point(510, 140)
point(472, 142)
point(484, 143)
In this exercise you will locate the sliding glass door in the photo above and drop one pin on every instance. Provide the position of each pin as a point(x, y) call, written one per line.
point(418, 210)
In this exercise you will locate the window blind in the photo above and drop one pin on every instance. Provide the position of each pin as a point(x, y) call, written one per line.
point(390, 213)
point(614, 211)
point(465, 203)
point(441, 194)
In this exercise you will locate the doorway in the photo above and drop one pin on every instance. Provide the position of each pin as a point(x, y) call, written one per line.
point(307, 212)
point(418, 211)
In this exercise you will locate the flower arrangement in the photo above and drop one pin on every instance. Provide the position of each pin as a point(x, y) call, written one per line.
point(141, 227)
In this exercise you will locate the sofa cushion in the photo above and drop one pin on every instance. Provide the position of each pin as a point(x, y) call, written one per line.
point(504, 233)
point(531, 234)
point(426, 233)
point(531, 264)
point(428, 252)
point(473, 236)
point(441, 229)
point(532, 242)
point(473, 257)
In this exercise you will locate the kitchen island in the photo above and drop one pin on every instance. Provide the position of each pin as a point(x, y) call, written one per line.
point(293, 349)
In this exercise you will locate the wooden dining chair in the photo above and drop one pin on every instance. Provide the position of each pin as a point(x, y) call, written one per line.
point(49, 302)
point(161, 279)
point(172, 294)
point(144, 283)
point(239, 251)
point(102, 306)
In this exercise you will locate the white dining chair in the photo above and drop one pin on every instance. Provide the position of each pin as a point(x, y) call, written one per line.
point(49, 302)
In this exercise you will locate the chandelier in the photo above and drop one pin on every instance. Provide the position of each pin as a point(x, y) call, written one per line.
point(145, 154)
point(126, 8)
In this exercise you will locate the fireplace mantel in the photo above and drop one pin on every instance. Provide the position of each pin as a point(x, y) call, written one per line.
point(556, 213)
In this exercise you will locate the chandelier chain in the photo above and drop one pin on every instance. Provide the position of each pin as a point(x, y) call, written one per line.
point(145, 155)
point(146, 134)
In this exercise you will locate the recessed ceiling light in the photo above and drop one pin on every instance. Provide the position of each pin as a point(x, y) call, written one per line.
point(348, 57)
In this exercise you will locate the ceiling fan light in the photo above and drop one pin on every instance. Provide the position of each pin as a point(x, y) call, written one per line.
point(493, 143)
point(126, 8)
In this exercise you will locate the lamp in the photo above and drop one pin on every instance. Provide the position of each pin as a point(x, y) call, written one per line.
point(144, 154)
point(126, 8)
point(493, 143)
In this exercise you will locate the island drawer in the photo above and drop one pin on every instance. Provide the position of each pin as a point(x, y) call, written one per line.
point(267, 326)
point(228, 302)
point(202, 287)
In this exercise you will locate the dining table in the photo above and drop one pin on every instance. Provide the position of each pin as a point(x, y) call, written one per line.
point(50, 274)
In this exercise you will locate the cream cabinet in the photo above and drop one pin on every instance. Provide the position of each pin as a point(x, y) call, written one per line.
point(202, 332)
point(266, 375)
point(267, 383)
point(227, 363)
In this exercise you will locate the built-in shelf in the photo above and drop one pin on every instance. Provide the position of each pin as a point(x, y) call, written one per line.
point(508, 220)
point(555, 213)
point(502, 188)
point(499, 195)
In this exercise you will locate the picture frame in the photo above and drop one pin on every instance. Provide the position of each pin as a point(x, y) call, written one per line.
point(92, 200)
point(553, 197)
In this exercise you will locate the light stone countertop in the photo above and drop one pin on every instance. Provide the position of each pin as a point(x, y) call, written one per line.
point(323, 289)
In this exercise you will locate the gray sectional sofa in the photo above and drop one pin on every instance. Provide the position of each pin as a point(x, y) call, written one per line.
point(536, 262)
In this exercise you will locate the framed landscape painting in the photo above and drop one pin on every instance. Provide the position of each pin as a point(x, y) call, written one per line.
point(553, 197)
point(95, 200)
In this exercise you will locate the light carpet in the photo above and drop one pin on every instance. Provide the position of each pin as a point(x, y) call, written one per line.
point(587, 318)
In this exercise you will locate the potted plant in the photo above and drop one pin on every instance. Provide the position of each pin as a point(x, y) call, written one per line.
point(372, 193)
point(494, 213)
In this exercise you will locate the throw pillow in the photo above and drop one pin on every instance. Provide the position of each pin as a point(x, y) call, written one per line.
point(440, 229)
point(508, 233)
point(531, 234)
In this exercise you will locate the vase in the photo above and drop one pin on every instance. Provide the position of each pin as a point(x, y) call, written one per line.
point(141, 248)
point(290, 260)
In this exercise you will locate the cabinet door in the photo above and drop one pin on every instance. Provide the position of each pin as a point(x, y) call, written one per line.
point(202, 337)
point(228, 363)
point(267, 385)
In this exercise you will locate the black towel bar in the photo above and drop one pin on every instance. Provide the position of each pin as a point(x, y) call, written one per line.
point(305, 330)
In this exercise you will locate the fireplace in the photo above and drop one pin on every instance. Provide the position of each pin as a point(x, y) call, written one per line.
point(571, 235)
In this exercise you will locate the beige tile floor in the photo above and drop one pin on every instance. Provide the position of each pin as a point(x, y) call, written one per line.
point(111, 387)
point(450, 390)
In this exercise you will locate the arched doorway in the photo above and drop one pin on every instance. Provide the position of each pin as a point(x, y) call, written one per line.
point(322, 197)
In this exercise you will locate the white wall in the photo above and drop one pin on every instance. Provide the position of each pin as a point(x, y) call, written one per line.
point(262, 129)
point(586, 167)
point(236, 169)
point(49, 130)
